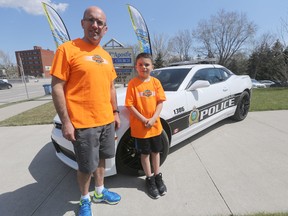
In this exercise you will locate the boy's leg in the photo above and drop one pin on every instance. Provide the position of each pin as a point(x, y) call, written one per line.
point(155, 157)
point(150, 179)
point(145, 161)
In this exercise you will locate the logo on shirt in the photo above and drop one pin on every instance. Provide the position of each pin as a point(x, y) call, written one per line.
point(97, 59)
point(147, 93)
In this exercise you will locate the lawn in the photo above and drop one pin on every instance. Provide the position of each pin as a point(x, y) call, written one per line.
point(261, 100)
point(269, 99)
point(43, 114)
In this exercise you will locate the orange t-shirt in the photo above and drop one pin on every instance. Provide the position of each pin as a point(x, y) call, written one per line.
point(88, 72)
point(144, 96)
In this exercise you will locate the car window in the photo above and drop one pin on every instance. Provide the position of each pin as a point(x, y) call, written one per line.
point(200, 75)
point(212, 75)
point(221, 75)
point(171, 79)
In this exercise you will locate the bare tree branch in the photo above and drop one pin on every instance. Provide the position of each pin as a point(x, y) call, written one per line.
point(224, 34)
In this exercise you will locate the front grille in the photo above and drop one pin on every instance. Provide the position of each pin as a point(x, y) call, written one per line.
point(58, 125)
point(65, 151)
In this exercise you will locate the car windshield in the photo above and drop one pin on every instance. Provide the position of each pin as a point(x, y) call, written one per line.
point(172, 78)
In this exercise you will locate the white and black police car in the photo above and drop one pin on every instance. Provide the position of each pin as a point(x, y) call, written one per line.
point(198, 96)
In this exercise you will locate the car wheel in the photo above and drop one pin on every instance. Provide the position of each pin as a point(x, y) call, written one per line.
point(242, 107)
point(128, 157)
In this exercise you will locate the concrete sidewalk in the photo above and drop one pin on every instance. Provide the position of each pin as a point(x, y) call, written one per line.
point(229, 169)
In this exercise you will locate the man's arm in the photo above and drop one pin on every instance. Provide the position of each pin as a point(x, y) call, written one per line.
point(114, 104)
point(60, 106)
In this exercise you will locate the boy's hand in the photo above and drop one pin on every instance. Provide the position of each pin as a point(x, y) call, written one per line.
point(149, 123)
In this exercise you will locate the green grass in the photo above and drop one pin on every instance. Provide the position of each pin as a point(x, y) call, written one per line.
point(43, 114)
point(21, 101)
point(262, 100)
point(269, 99)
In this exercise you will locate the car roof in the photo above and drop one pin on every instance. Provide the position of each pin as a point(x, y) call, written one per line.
point(192, 69)
point(190, 66)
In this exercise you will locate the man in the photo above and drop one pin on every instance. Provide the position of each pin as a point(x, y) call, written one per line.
point(84, 96)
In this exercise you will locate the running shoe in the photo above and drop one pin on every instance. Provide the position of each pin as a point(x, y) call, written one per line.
point(107, 196)
point(152, 188)
point(85, 208)
point(160, 184)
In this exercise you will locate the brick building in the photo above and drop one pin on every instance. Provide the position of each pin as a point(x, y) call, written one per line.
point(36, 62)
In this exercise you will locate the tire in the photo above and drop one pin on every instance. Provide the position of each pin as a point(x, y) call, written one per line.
point(128, 160)
point(242, 107)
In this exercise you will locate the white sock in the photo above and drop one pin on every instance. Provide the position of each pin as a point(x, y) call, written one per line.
point(99, 189)
point(87, 196)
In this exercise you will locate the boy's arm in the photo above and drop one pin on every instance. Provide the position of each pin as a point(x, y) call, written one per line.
point(137, 114)
point(152, 120)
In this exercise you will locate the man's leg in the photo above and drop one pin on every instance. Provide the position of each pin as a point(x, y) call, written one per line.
point(85, 201)
point(101, 194)
point(100, 173)
point(83, 182)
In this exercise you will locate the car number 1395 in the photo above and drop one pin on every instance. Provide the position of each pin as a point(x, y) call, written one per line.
point(178, 110)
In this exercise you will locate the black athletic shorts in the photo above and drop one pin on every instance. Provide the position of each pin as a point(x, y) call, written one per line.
point(148, 145)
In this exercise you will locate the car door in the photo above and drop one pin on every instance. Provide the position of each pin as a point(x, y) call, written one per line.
point(208, 104)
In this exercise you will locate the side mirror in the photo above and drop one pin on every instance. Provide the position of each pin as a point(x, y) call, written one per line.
point(199, 84)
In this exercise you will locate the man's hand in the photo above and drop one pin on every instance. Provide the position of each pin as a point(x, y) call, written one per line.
point(117, 120)
point(68, 131)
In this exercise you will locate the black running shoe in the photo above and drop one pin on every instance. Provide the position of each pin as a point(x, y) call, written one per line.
point(152, 188)
point(160, 184)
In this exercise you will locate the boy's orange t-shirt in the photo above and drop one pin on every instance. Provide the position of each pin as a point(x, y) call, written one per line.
point(144, 96)
point(88, 72)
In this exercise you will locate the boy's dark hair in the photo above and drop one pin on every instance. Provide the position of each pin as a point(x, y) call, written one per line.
point(144, 55)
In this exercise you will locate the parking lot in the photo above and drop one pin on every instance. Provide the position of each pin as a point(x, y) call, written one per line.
point(24, 91)
point(229, 169)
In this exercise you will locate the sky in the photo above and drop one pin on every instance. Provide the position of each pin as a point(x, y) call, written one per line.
point(23, 24)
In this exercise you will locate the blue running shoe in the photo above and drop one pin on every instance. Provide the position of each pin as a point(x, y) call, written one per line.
point(107, 196)
point(85, 208)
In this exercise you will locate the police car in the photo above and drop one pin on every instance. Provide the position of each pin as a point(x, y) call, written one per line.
point(198, 96)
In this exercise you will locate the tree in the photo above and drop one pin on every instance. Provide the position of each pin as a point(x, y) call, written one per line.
point(6, 64)
point(284, 30)
point(238, 63)
point(278, 66)
point(258, 61)
point(160, 48)
point(159, 62)
point(224, 34)
point(181, 45)
point(269, 60)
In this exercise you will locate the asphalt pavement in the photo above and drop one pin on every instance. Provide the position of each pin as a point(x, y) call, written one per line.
point(229, 169)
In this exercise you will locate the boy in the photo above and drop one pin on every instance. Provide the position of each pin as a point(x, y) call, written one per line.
point(144, 99)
